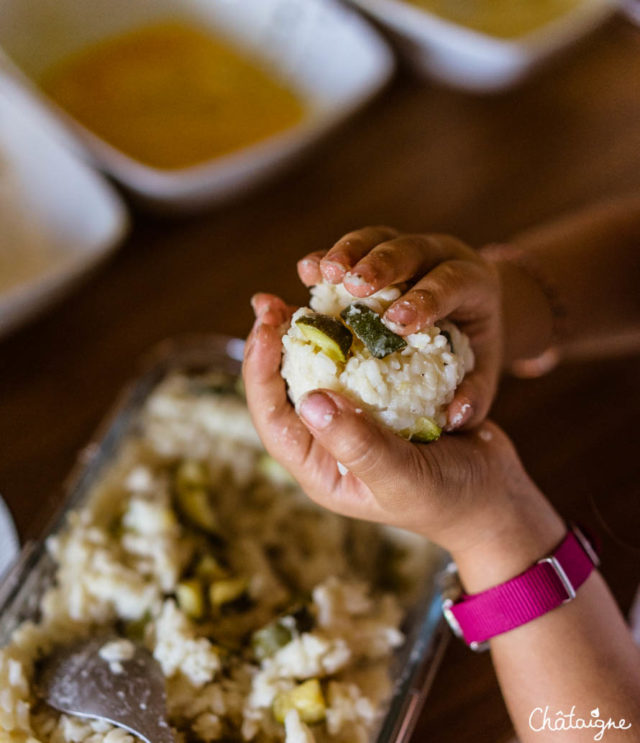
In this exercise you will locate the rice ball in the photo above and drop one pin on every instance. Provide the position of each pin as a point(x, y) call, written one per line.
point(406, 383)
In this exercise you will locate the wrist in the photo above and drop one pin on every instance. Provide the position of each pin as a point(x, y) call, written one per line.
point(525, 529)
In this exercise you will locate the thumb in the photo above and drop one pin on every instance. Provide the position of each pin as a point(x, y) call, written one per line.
point(373, 454)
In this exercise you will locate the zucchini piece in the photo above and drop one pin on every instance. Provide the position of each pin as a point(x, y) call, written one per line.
point(192, 474)
point(190, 596)
point(135, 629)
point(426, 430)
point(447, 335)
point(209, 569)
point(268, 640)
point(223, 592)
point(328, 334)
point(370, 329)
point(193, 495)
point(306, 698)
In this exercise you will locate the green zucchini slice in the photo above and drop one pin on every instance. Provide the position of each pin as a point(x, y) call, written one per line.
point(227, 591)
point(369, 328)
point(268, 640)
point(209, 569)
point(306, 698)
point(192, 488)
point(135, 628)
point(328, 334)
point(426, 430)
point(190, 596)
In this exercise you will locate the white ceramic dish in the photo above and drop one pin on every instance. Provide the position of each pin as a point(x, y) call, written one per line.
point(9, 543)
point(475, 61)
point(631, 9)
point(78, 217)
point(327, 52)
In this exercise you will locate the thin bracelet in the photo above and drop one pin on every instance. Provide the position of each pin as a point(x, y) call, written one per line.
point(549, 358)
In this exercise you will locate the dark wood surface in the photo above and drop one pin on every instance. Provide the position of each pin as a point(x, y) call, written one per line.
point(421, 158)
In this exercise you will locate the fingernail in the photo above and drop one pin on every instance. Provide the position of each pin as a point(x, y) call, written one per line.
point(394, 327)
point(272, 317)
point(460, 418)
point(332, 270)
point(402, 314)
point(257, 311)
point(318, 409)
point(357, 279)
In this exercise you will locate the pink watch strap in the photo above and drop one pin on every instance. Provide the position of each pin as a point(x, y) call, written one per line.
point(544, 586)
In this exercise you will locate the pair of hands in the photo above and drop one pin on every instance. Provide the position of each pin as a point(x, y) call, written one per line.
point(453, 490)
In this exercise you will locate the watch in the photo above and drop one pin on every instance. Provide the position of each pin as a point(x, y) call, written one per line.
point(549, 583)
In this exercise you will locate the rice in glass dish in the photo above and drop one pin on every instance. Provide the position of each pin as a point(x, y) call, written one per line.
point(271, 619)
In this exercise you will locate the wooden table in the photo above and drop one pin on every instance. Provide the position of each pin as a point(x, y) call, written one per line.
point(421, 158)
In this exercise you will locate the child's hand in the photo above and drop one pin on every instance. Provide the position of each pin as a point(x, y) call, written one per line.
point(447, 279)
point(459, 491)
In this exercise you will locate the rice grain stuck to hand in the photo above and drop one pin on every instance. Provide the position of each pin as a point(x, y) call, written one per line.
point(341, 343)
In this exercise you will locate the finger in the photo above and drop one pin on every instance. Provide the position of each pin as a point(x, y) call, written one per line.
point(453, 287)
point(371, 453)
point(282, 432)
point(398, 260)
point(462, 408)
point(309, 268)
point(280, 429)
point(349, 249)
point(270, 309)
point(473, 398)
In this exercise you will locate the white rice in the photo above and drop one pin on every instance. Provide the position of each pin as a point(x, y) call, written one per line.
point(116, 652)
point(123, 553)
point(416, 382)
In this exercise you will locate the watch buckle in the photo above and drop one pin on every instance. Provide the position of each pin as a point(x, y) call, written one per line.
point(450, 594)
point(586, 545)
point(447, 603)
point(562, 577)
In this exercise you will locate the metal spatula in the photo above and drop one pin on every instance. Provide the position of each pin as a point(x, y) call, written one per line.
point(76, 680)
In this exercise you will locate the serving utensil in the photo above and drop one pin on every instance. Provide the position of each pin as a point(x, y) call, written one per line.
point(130, 693)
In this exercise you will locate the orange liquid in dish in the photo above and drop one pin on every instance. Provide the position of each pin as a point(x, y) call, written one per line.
point(172, 96)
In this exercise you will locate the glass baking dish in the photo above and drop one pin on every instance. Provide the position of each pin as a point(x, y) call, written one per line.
point(414, 664)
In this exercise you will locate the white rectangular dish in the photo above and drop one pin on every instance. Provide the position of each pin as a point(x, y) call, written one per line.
point(326, 52)
point(475, 61)
point(9, 542)
point(59, 215)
